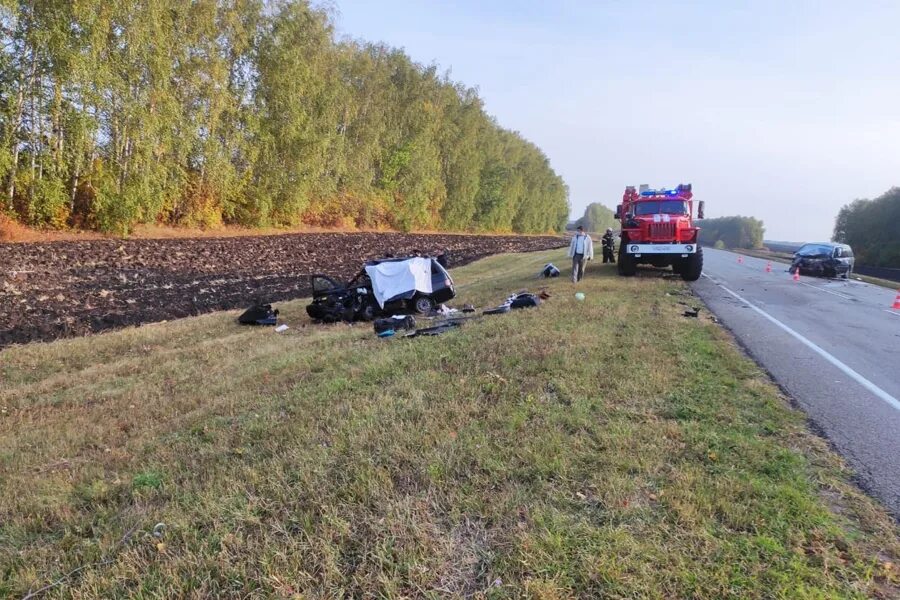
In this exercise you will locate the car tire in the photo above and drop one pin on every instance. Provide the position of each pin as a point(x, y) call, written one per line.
point(367, 312)
point(423, 305)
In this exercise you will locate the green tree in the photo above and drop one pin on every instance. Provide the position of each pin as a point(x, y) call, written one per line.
point(246, 111)
point(597, 218)
point(872, 229)
point(733, 232)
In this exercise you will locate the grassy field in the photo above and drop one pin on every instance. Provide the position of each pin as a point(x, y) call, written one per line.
point(604, 448)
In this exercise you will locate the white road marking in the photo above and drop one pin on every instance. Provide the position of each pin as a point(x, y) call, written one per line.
point(821, 289)
point(880, 393)
point(891, 312)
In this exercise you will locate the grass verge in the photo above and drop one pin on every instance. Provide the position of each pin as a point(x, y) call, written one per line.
point(604, 448)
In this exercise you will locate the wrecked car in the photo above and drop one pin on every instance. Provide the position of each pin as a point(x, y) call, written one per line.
point(384, 287)
point(824, 259)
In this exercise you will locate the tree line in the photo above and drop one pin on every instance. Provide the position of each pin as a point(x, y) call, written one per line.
point(248, 112)
point(732, 232)
point(872, 229)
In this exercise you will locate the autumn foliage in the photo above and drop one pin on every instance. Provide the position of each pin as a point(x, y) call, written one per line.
point(246, 112)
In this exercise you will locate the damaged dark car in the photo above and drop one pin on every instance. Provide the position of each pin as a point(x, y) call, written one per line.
point(384, 287)
point(825, 260)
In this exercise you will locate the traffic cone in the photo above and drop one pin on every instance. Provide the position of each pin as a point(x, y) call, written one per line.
point(740, 259)
point(797, 274)
point(896, 305)
point(768, 267)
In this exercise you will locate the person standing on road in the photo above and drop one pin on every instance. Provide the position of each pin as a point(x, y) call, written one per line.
point(609, 247)
point(580, 249)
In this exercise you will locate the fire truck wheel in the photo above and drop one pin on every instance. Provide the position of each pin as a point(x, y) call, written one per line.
point(693, 266)
point(627, 266)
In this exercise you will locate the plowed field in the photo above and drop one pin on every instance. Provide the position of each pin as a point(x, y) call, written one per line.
point(62, 289)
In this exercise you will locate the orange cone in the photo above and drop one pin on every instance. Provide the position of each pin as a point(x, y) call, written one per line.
point(768, 267)
point(797, 274)
point(896, 305)
point(740, 259)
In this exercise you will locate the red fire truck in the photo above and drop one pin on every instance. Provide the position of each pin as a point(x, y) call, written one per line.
point(657, 229)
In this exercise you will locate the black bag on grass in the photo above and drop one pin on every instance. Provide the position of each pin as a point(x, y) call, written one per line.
point(550, 270)
point(394, 323)
point(525, 301)
point(259, 314)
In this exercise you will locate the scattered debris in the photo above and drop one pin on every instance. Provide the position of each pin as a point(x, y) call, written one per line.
point(579, 296)
point(259, 314)
point(550, 270)
point(394, 323)
point(525, 300)
point(499, 310)
point(522, 299)
point(281, 328)
point(436, 329)
point(445, 310)
point(695, 312)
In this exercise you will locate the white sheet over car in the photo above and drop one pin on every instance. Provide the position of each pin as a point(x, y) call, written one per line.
point(392, 278)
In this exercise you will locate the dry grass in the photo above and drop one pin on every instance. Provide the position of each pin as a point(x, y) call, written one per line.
point(608, 448)
point(12, 231)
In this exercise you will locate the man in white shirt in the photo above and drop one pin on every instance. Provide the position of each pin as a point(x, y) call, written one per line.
point(580, 249)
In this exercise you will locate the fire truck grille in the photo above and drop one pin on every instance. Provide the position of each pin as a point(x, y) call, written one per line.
point(662, 231)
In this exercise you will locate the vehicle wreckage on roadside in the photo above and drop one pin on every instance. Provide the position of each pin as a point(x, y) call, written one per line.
point(826, 259)
point(384, 287)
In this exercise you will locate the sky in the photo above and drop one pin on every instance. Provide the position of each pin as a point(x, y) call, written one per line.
point(781, 110)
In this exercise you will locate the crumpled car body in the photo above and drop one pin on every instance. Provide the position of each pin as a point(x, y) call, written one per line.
point(824, 259)
point(357, 300)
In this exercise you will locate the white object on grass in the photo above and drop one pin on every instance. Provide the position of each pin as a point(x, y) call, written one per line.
point(579, 296)
point(281, 328)
point(394, 277)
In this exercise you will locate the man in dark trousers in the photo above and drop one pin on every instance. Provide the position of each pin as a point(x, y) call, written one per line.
point(580, 249)
point(609, 247)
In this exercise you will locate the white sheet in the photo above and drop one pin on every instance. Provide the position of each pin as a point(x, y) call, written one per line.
point(392, 278)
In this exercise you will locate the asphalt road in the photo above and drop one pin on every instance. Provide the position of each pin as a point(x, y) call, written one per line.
point(833, 345)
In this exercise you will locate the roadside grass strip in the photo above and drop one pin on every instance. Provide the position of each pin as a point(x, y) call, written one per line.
point(606, 448)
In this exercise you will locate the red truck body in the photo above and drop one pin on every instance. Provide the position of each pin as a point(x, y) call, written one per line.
point(658, 229)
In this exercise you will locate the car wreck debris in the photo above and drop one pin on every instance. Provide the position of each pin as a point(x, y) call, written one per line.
point(259, 314)
point(384, 287)
point(825, 259)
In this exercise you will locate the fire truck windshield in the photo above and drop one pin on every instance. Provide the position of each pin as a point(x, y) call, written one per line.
point(654, 207)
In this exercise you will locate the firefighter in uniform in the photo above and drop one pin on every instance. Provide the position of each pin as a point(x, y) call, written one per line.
point(609, 247)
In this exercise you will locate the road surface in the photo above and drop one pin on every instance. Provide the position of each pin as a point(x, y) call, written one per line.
point(833, 345)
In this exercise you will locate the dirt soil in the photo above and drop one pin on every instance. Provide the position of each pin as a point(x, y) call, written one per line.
point(61, 289)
